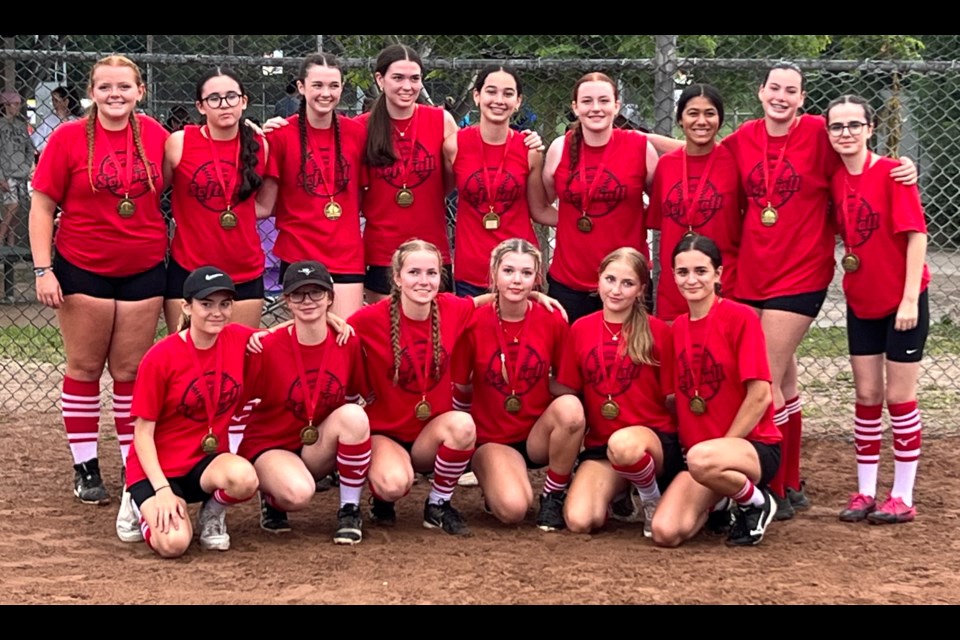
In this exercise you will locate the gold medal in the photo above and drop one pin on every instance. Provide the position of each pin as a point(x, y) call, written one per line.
point(850, 262)
point(126, 208)
point(228, 219)
point(512, 403)
point(698, 406)
point(585, 224)
point(423, 410)
point(309, 434)
point(610, 409)
point(768, 217)
point(209, 443)
point(332, 210)
point(404, 197)
point(491, 221)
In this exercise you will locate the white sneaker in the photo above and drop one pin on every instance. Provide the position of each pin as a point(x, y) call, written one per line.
point(469, 479)
point(649, 508)
point(128, 520)
point(213, 528)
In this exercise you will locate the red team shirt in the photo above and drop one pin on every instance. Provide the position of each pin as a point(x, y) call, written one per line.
point(795, 255)
point(388, 225)
point(509, 190)
point(166, 392)
point(616, 208)
point(91, 234)
point(273, 376)
point(198, 200)
point(638, 389)
point(542, 338)
point(735, 352)
point(881, 212)
point(717, 215)
point(303, 231)
point(392, 410)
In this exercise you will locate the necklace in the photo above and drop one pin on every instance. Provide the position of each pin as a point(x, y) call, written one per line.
point(614, 336)
point(404, 132)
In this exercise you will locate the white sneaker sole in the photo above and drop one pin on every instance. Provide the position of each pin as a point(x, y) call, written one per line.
point(129, 536)
point(215, 544)
point(469, 479)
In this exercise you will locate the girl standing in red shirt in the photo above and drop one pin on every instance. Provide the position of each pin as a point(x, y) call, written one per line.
point(497, 172)
point(724, 409)
point(884, 235)
point(620, 360)
point(215, 170)
point(599, 174)
point(509, 355)
point(108, 276)
point(313, 182)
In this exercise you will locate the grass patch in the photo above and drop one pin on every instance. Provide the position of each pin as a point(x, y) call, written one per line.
point(32, 343)
point(831, 342)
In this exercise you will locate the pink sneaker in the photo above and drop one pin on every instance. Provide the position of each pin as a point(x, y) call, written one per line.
point(858, 508)
point(892, 511)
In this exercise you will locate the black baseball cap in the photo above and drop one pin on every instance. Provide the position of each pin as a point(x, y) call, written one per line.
point(306, 272)
point(206, 280)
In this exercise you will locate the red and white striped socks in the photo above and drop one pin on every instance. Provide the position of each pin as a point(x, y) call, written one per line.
point(353, 462)
point(867, 433)
point(778, 484)
point(122, 422)
point(643, 475)
point(907, 433)
point(555, 482)
point(748, 495)
point(80, 407)
point(793, 435)
point(447, 469)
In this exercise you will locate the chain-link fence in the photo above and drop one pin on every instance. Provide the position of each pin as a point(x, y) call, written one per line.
point(913, 82)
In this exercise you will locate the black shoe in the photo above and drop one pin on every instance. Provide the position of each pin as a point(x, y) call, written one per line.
point(627, 507)
point(87, 483)
point(383, 513)
point(327, 482)
point(550, 517)
point(750, 523)
point(272, 519)
point(785, 510)
point(444, 516)
point(349, 525)
point(720, 521)
point(798, 497)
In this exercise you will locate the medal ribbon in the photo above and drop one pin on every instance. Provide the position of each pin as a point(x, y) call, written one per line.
point(696, 373)
point(329, 186)
point(490, 188)
point(406, 160)
point(208, 399)
point(617, 359)
point(221, 180)
point(690, 205)
point(766, 158)
point(586, 195)
point(848, 228)
point(503, 352)
point(125, 175)
point(427, 358)
point(311, 395)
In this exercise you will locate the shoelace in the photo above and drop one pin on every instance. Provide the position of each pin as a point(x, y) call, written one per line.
point(858, 502)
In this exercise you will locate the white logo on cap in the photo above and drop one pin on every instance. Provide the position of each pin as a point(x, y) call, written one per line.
point(211, 276)
point(306, 271)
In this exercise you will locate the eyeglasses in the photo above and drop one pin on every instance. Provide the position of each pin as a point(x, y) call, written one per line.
point(836, 129)
point(215, 100)
point(299, 296)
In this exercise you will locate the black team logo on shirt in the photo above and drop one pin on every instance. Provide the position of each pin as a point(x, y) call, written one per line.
point(407, 379)
point(314, 178)
point(710, 202)
point(506, 194)
point(711, 375)
point(866, 219)
point(193, 406)
point(608, 195)
point(422, 164)
point(786, 183)
point(332, 393)
point(615, 382)
point(205, 187)
point(110, 177)
point(532, 370)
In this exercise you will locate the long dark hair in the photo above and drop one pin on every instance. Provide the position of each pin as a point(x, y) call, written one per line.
point(320, 59)
point(379, 150)
point(250, 180)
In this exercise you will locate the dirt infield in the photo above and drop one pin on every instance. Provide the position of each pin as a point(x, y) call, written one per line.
point(54, 550)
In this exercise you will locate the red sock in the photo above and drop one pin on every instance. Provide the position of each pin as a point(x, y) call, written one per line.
point(555, 482)
point(746, 495)
point(80, 407)
point(353, 462)
point(122, 421)
point(221, 497)
point(642, 474)
point(780, 419)
point(793, 434)
point(447, 469)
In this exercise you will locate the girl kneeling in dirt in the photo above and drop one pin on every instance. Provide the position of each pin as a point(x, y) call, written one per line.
point(621, 360)
point(724, 409)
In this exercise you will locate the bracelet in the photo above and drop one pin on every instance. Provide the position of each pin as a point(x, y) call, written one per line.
point(158, 489)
